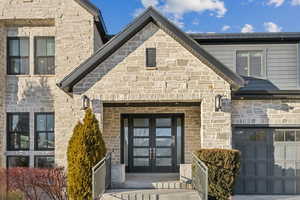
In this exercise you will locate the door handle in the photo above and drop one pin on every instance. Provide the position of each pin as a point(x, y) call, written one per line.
point(150, 153)
point(154, 153)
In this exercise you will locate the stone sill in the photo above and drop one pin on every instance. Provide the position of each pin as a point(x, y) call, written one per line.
point(151, 68)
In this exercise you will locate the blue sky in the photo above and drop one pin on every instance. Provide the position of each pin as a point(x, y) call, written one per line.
point(220, 16)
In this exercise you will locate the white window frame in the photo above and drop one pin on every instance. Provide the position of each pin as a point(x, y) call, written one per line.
point(264, 60)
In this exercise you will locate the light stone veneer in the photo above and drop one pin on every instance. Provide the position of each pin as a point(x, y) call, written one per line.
point(272, 112)
point(179, 77)
point(76, 39)
point(112, 127)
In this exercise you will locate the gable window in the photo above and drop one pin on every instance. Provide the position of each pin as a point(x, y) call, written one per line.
point(151, 57)
point(44, 131)
point(44, 55)
point(17, 55)
point(250, 63)
point(44, 161)
point(18, 131)
point(17, 161)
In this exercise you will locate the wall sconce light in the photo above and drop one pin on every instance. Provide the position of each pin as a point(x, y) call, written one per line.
point(85, 102)
point(218, 103)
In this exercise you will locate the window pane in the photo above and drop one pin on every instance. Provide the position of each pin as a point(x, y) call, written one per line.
point(50, 47)
point(42, 140)
point(41, 122)
point(126, 141)
point(141, 122)
point(163, 132)
point(50, 122)
point(14, 66)
point(141, 142)
point(50, 143)
point(150, 57)
point(256, 64)
point(50, 65)
point(141, 132)
point(24, 66)
point(242, 63)
point(44, 162)
point(279, 136)
point(160, 142)
point(18, 131)
point(163, 122)
point(18, 161)
point(290, 136)
point(41, 65)
point(179, 141)
point(24, 47)
point(13, 47)
point(24, 141)
point(41, 47)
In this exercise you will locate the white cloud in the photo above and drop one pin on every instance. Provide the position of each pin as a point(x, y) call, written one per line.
point(226, 28)
point(175, 9)
point(276, 3)
point(248, 28)
point(295, 2)
point(147, 3)
point(272, 27)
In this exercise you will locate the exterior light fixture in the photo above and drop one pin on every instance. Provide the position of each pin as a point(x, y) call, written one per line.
point(218, 103)
point(85, 102)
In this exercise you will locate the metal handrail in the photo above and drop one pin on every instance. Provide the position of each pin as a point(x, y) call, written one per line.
point(200, 177)
point(101, 176)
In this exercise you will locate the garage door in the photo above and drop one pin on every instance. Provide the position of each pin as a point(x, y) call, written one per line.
point(270, 161)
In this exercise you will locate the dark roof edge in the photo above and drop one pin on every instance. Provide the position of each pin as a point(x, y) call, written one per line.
point(265, 94)
point(149, 15)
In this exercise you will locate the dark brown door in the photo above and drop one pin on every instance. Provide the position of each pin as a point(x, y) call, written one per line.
point(155, 143)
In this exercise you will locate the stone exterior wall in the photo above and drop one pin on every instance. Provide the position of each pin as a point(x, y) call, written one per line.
point(179, 77)
point(75, 40)
point(266, 112)
point(112, 127)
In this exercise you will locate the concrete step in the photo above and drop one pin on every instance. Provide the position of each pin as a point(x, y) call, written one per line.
point(153, 185)
point(164, 194)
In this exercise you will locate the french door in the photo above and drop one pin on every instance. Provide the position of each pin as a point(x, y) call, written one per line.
point(155, 142)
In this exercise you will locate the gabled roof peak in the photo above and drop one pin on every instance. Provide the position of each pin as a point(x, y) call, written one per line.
point(149, 15)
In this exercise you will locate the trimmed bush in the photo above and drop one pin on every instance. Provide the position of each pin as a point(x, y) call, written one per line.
point(223, 169)
point(86, 148)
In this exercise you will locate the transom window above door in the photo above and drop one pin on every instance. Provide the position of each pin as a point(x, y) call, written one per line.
point(250, 63)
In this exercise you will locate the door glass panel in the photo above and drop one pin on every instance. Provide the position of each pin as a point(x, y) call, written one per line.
point(141, 162)
point(163, 162)
point(179, 141)
point(126, 141)
point(140, 132)
point(163, 132)
point(163, 122)
point(163, 152)
point(141, 152)
point(141, 122)
point(141, 142)
point(163, 142)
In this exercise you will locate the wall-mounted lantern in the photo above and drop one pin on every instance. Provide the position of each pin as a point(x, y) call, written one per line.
point(218, 103)
point(85, 102)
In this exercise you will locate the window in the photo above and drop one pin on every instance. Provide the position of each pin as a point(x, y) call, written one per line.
point(250, 63)
point(17, 161)
point(44, 55)
point(44, 162)
point(18, 131)
point(151, 57)
point(17, 56)
point(44, 131)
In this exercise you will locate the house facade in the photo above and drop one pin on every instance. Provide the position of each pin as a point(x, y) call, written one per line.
point(159, 94)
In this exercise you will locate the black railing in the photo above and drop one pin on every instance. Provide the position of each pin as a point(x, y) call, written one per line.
point(101, 176)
